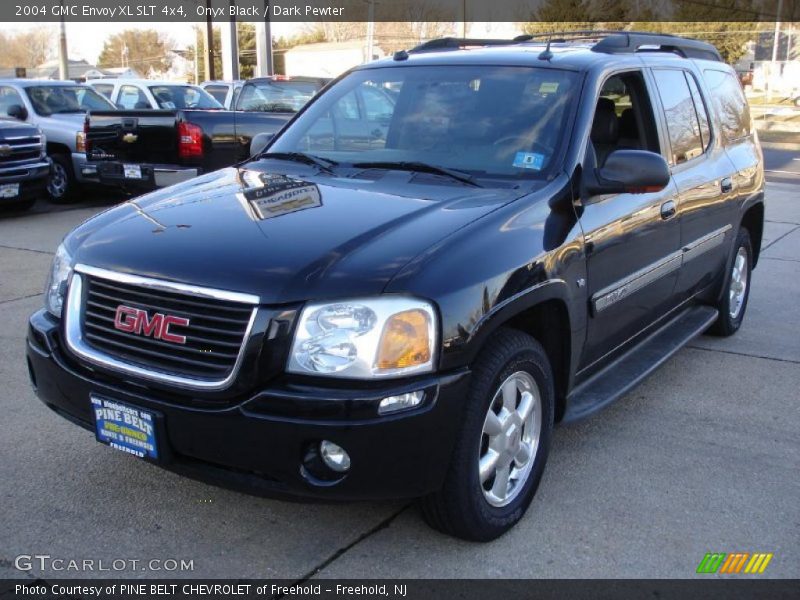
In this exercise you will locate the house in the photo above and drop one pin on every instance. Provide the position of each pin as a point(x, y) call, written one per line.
point(77, 70)
point(327, 59)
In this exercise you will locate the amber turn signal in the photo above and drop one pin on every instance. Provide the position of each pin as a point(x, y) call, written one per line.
point(405, 341)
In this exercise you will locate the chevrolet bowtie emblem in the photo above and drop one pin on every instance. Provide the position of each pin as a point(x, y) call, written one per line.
point(5, 150)
point(130, 138)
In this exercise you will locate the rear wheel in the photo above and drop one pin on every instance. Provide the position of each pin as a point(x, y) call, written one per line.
point(502, 448)
point(61, 184)
point(736, 292)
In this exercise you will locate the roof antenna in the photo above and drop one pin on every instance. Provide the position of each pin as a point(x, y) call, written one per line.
point(546, 54)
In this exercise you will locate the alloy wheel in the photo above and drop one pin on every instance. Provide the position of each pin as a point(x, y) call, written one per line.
point(510, 439)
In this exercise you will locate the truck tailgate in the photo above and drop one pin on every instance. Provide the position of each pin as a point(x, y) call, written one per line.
point(137, 136)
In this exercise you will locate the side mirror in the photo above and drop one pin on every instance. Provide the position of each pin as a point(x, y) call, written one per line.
point(17, 111)
point(259, 142)
point(629, 172)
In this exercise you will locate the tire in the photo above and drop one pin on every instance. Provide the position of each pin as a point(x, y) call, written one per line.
point(464, 507)
point(733, 301)
point(61, 184)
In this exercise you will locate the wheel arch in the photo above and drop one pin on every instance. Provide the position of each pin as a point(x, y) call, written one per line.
point(58, 148)
point(753, 221)
point(543, 313)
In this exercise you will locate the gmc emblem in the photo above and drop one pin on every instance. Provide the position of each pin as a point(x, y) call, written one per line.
point(137, 321)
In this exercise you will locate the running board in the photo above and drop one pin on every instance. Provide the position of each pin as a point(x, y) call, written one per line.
point(629, 370)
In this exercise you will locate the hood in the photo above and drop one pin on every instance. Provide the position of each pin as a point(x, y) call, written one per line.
point(9, 127)
point(285, 236)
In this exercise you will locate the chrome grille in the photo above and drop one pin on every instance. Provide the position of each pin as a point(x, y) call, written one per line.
point(217, 328)
point(20, 150)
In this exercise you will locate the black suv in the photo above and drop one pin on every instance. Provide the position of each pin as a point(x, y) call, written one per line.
point(442, 255)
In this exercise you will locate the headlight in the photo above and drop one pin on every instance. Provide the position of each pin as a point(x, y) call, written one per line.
point(57, 281)
point(80, 141)
point(365, 339)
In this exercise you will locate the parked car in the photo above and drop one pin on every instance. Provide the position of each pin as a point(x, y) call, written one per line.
point(147, 94)
point(58, 108)
point(278, 93)
point(147, 149)
point(224, 92)
point(24, 165)
point(531, 231)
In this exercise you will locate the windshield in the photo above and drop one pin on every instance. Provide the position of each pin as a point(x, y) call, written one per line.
point(276, 96)
point(171, 97)
point(482, 120)
point(57, 99)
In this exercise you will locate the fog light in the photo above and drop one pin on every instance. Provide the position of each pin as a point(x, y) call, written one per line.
point(401, 402)
point(334, 456)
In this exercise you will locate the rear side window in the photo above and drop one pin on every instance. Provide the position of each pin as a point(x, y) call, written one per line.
point(218, 92)
point(682, 123)
point(729, 102)
point(131, 97)
point(700, 109)
point(104, 88)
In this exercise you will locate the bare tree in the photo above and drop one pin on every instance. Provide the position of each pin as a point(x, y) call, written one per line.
point(27, 48)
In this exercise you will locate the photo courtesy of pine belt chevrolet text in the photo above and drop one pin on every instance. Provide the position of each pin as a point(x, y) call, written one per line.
point(439, 257)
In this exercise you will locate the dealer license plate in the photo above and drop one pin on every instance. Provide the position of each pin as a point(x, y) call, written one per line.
point(9, 190)
point(132, 171)
point(125, 427)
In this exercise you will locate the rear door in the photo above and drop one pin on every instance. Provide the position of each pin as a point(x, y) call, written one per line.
point(703, 173)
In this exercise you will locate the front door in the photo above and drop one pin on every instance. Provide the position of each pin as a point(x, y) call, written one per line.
point(633, 241)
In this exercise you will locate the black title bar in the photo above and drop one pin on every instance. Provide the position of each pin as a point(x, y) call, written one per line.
point(592, 11)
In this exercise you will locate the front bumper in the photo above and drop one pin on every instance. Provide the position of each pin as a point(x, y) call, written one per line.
point(153, 176)
point(260, 443)
point(32, 179)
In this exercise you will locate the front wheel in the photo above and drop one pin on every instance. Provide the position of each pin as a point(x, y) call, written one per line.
point(503, 445)
point(736, 292)
point(61, 184)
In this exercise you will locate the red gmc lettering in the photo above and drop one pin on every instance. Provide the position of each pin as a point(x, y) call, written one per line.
point(137, 321)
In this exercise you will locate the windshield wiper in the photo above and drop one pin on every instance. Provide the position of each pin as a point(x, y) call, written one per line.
point(422, 168)
point(324, 164)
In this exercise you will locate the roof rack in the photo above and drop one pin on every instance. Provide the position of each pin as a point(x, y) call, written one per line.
point(610, 42)
point(453, 43)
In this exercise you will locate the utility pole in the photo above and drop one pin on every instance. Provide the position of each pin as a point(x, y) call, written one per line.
point(209, 53)
point(63, 61)
point(464, 18)
point(370, 30)
point(230, 48)
point(264, 61)
point(773, 68)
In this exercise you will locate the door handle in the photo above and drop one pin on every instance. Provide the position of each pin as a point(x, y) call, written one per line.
point(668, 209)
point(726, 185)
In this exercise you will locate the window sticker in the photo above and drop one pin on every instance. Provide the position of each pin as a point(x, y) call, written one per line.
point(548, 87)
point(529, 160)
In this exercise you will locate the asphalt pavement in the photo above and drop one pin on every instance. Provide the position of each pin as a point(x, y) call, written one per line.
point(703, 457)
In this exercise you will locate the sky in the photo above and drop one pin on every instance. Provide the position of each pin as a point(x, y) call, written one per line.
point(85, 40)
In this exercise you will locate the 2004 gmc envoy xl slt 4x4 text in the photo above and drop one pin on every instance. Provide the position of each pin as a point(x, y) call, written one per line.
point(442, 255)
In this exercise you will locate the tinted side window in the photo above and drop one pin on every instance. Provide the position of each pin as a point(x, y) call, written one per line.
point(104, 88)
point(700, 109)
point(218, 91)
point(729, 102)
point(131, 97)
point(682, 124)
point(8, 98)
